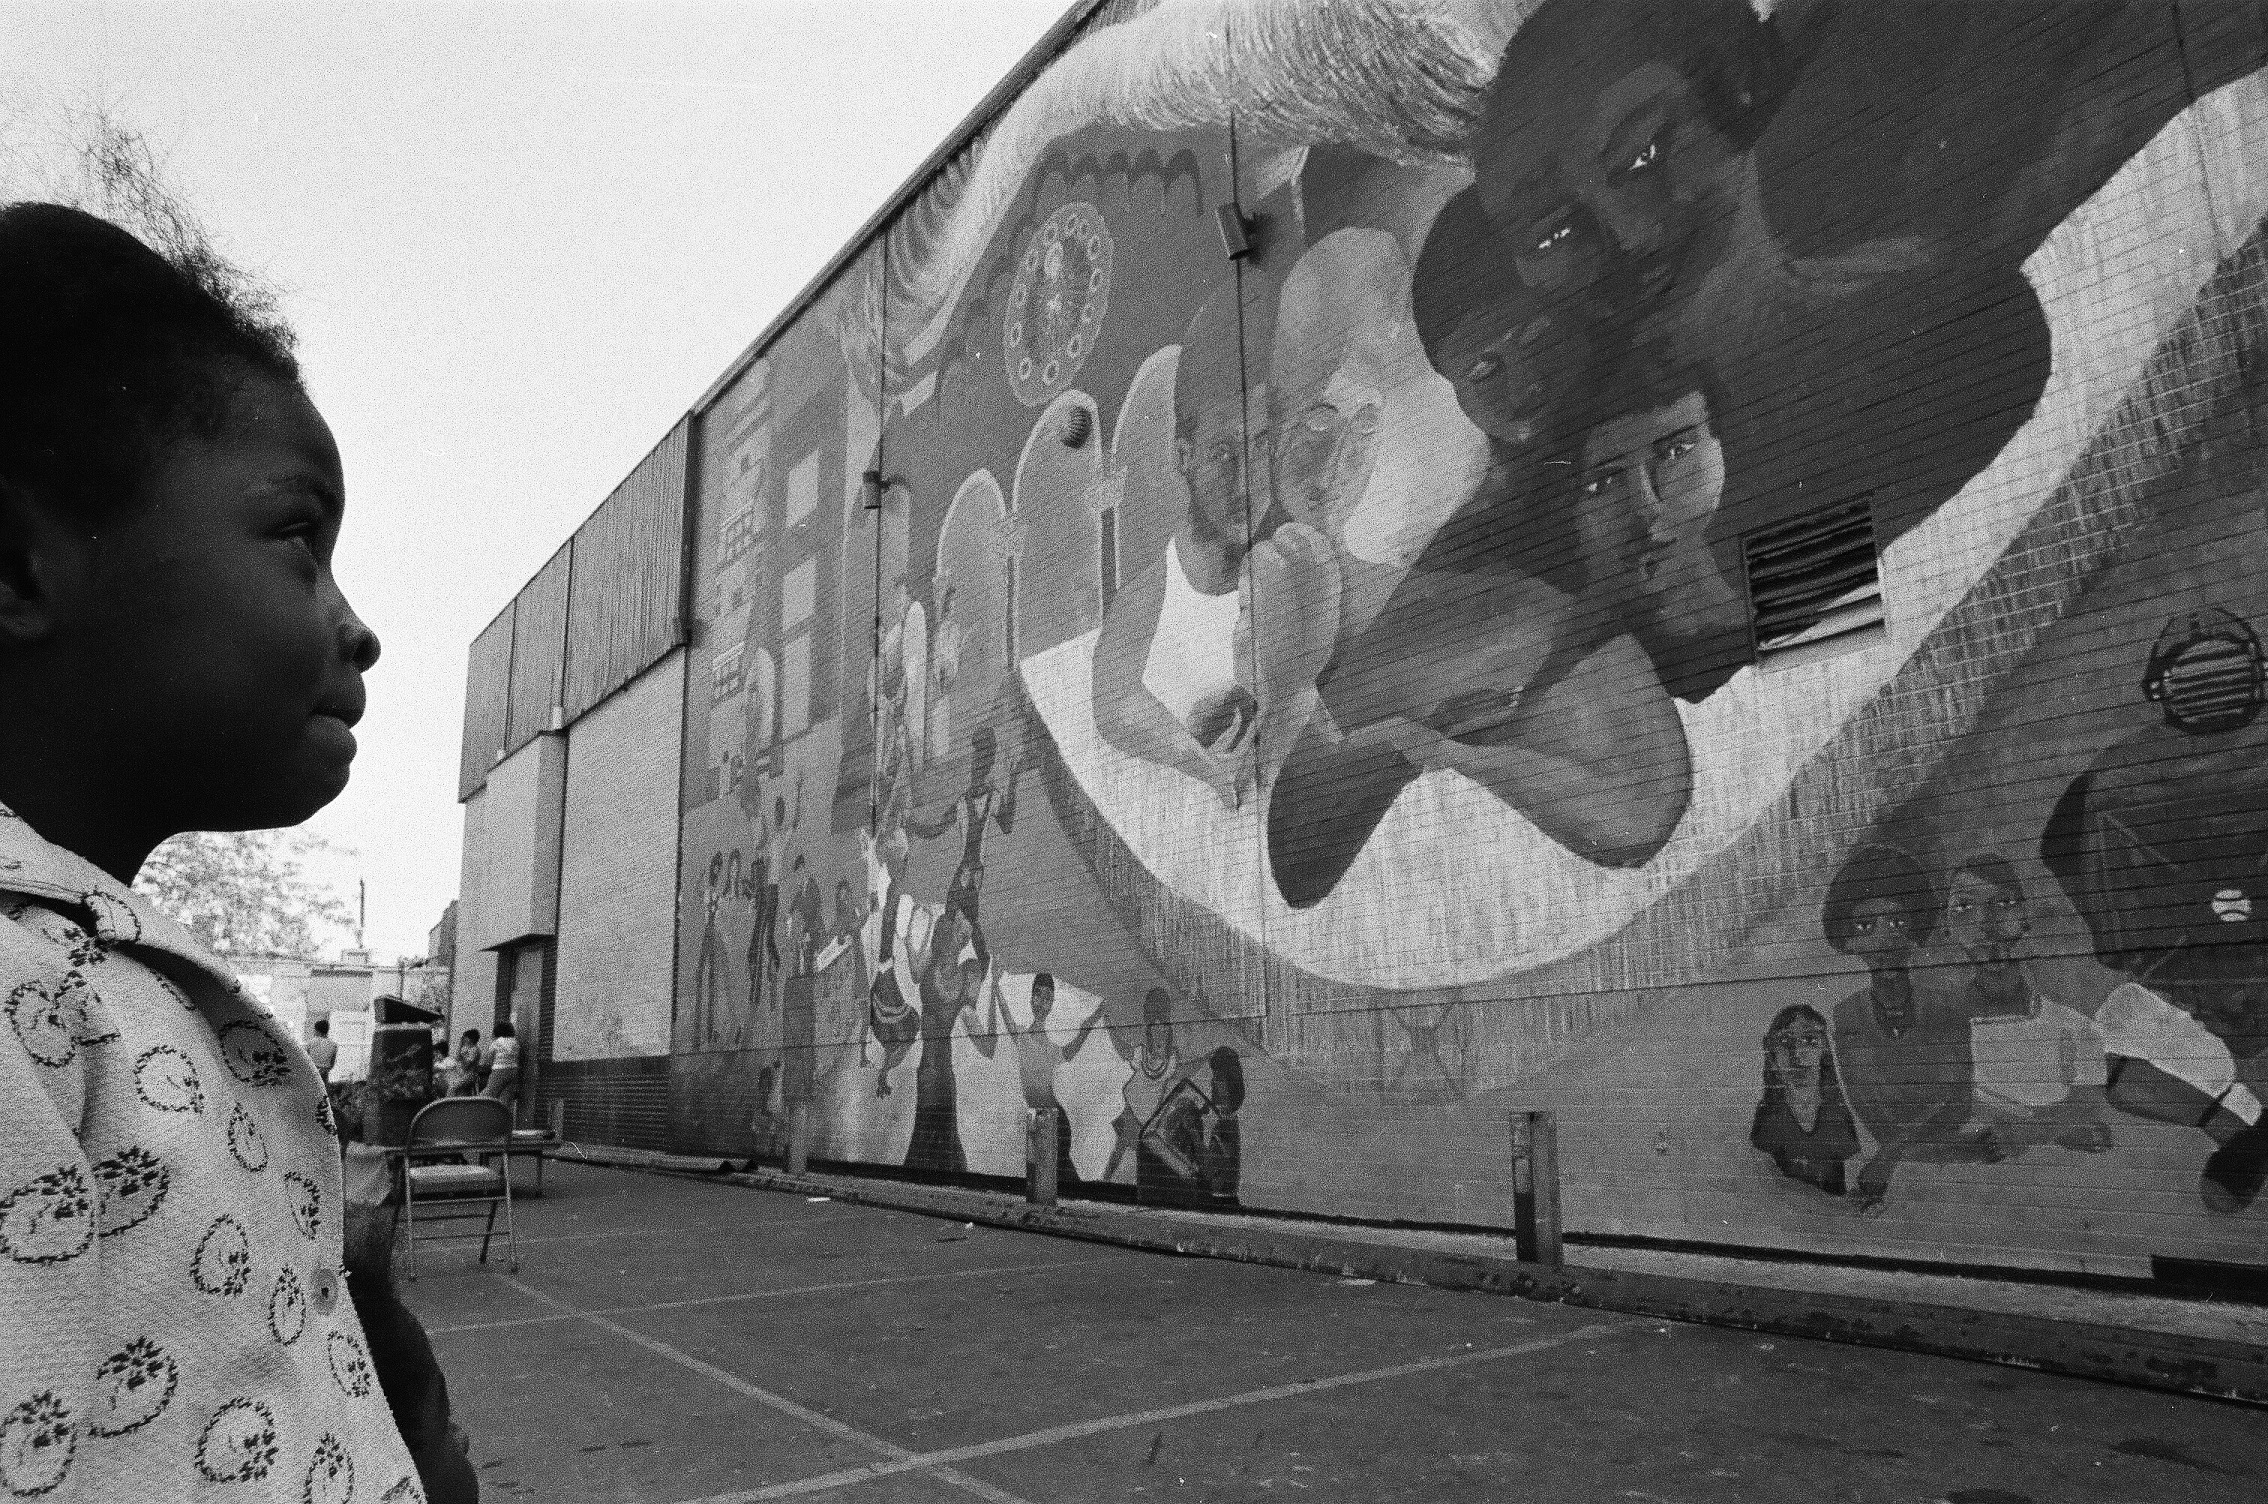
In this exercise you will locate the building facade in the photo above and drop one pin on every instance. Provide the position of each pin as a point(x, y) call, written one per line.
point(1333, 573)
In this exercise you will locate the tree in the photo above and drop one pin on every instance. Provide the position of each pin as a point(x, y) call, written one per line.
point(243, 892)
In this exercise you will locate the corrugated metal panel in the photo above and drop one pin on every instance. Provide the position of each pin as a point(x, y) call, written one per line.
point(487, 693)
point(623, 610)
point(618, 873)
point(539, 648)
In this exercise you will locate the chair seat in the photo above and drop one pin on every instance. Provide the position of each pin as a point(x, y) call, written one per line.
point(455, 1180)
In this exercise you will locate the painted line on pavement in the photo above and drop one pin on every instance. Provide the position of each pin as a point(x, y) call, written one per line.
point(925, 1461)
point(675, 1230)
point(576, 1313)
point(901, 1460)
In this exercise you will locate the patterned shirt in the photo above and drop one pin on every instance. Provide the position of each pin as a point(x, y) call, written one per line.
point(174, 1322)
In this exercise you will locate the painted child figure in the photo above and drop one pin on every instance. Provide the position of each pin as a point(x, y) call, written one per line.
point(175, 655)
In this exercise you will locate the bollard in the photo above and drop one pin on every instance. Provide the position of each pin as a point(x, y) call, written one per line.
point(799, 1138)
point(1039, 1156)
point(1535, 1188)
point(559, 1118)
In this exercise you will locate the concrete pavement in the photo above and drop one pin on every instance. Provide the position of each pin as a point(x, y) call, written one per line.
point(669, 1341)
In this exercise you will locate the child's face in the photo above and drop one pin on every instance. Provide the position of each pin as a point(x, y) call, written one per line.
point(222, 663)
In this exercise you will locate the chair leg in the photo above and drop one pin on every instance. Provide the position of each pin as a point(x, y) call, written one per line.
point(409, 1208)
point(487, 1232)
point(511, 1237)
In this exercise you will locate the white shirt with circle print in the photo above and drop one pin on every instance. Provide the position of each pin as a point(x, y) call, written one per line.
point(173, 1319)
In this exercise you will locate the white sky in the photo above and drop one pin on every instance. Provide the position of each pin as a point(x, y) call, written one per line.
point(518, 241)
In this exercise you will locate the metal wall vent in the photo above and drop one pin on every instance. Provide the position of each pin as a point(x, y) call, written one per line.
point(1815, 578)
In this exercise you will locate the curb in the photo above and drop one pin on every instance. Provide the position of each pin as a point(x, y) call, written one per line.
point(2169, 1361)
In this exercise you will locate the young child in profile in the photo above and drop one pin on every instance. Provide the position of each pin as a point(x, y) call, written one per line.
point(175, 655)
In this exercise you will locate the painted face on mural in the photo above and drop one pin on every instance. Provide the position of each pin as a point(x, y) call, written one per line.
point(1879, 930)
point(1988, 920)
point(1210, 453)
point(1506, 362)
point(1796, 1050)
point(1323, 451)
point(1650, 487)
point(1615, 185)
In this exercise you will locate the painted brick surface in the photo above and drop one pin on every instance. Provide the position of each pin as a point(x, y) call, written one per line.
point(1293, 711)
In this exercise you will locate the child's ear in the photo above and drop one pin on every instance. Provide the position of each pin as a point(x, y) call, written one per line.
point(35, 550)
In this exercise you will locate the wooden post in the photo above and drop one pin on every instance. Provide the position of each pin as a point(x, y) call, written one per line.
point(1039, 1156)
point(799, 1138)
point(1535, 1188)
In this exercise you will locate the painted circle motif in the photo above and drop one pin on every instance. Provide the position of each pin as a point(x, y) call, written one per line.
point(246, 1142)
point(1057, 302)
point(36, 1443)
point(350, 1365)
point(287, 1308)
point(330, 1477)
point(239, 1443)
point(131, 1387)
point(166, 1079)
point(132, 1183)
point(223, 1264)
point(253, 1055)
point(48, 1220)
point(306, 1203)
point(47, 1022)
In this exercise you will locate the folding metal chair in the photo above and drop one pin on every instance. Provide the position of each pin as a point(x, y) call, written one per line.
point(472, 1134)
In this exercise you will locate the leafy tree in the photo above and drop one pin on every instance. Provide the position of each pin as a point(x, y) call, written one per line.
point(244, 892)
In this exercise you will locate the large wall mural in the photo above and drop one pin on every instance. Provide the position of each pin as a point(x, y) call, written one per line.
point(1673, 563)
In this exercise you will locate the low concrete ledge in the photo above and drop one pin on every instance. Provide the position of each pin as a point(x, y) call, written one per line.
point(2181, 1362)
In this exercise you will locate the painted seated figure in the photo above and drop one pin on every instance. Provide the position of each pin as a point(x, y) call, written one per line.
point(1902, 1050)
point(2162, 846)
point(2039, 1066)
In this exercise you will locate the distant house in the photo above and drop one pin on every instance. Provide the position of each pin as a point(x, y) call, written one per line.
point(298, 992)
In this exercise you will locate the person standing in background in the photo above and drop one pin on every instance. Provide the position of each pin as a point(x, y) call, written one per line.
point(461, 1074)
point(323, 1050)
point(503, 1078)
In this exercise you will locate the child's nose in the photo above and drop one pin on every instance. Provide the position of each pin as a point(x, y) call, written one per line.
point(356, 640)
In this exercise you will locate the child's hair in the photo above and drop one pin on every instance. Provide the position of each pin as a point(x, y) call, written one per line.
point(322, 1026)
point(114, 351)
point(504, 1031)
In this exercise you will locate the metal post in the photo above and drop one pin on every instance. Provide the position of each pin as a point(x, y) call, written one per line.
point(1535, 1188)
point(1039, 1156)
point(799, 1138)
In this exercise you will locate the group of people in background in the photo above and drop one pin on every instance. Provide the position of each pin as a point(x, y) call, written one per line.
point(475, 1069)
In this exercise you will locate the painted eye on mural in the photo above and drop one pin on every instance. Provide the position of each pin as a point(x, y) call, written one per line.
point(1487, 368)
point(1555, 238)
point(1645, 157)
point(1680, 444)
point(1601, 482)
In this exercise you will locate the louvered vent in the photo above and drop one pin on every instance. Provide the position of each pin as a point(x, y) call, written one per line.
point(1813, 579)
